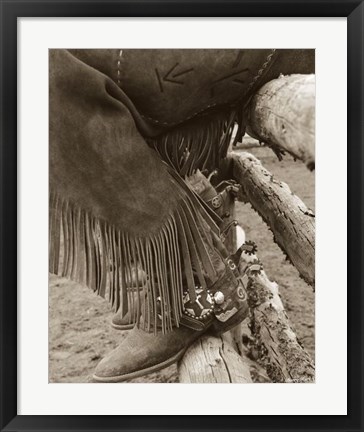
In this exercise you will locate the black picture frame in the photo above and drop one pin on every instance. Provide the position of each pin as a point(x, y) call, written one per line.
point(10, 11)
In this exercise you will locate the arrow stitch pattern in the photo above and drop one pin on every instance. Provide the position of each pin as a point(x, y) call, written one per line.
point(169, 77)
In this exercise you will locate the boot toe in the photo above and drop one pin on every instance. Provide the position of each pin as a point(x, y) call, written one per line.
point(141, 353)
point(118, 364)
point(112, 366)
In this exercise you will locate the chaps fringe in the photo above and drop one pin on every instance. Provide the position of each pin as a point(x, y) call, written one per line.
point(94, 253)
point(202, 142)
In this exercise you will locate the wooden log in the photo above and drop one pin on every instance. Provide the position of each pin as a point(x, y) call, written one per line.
point(213, 360)
point(286, 359)
point(292, 223)
point(282, 114)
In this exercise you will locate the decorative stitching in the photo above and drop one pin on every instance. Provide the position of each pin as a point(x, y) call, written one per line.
point(170, 77)
point(118, 67)
point(261, 70)
point(250, 86)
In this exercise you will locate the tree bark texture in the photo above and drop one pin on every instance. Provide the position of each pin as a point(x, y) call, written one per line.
point(285, 358)
point(292, 223)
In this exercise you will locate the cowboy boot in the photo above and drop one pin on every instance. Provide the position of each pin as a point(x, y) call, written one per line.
point(217, 310)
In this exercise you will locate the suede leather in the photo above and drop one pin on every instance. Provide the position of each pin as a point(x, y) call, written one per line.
point(113, 199)
point(95, 145)
point(169, 86)
point(98, 160)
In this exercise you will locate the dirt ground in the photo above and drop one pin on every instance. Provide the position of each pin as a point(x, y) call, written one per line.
point(80, 334)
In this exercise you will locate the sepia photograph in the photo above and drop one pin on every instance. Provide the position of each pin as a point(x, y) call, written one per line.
point(181, 216)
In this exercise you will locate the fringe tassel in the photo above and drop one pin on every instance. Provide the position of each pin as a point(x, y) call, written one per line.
point(92, 252)
point(200, 143)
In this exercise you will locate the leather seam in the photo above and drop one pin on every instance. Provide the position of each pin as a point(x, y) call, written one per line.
point(118, 72)
point(250, 86)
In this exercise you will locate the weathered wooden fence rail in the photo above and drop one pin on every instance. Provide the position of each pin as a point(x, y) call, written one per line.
point(282, 114)
point(292, 223)
point(286, 359)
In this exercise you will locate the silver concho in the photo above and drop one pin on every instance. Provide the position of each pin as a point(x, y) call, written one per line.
point(219, 297)
point(202, 307)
